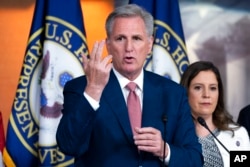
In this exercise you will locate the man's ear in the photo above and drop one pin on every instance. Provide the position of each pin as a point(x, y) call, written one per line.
point(151, 43)
point(107, 44)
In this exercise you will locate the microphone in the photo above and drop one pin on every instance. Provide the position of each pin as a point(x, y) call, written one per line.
point(164, 120)
point(204, 124)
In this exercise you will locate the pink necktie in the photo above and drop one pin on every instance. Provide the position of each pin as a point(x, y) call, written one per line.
point(134, 107)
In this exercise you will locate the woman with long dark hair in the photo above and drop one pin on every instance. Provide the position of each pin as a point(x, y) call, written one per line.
point(206, 98)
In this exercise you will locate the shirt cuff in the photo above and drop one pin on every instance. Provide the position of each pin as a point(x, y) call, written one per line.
point(94, 104)
point(168, 156)
point(166, 160)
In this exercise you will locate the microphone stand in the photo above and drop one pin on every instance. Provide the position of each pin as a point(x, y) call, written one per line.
point(203, 123)
point(164, 119)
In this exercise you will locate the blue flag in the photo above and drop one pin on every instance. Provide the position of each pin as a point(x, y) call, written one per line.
point(53, 57)
point(169, 56)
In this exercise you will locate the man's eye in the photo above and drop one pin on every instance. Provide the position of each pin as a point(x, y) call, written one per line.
point(120, 38)
point(137, 38)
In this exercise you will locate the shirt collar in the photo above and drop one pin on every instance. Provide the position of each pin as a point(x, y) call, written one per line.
point(123, 81)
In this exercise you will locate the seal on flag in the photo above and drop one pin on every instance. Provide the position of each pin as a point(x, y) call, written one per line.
point(167, 60)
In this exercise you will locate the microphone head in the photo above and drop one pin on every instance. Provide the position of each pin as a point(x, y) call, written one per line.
point(202, 121)
point(164, 118)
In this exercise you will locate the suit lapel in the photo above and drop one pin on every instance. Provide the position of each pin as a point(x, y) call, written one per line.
point(152, 95)
point(118, 105)
point(151, 117)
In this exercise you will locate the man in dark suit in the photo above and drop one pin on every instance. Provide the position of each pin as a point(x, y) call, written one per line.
point(244, 118)
point(95, 127)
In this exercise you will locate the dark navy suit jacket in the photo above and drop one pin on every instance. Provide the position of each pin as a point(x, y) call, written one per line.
point(244, 118)
point(104, 138)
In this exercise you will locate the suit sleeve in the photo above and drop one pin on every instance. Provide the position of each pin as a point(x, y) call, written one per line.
point(76, 124)
point(244, 117)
